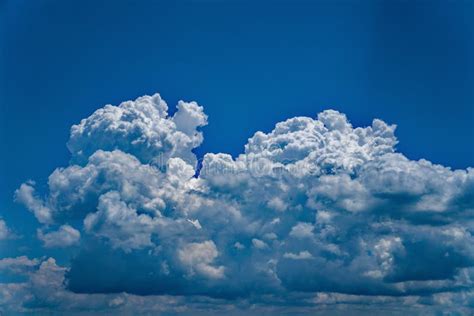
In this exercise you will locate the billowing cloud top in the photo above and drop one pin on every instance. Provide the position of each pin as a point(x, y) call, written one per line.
point(141, 128)
point(315, 208)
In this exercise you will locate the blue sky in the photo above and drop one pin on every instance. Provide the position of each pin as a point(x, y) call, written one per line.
point(251, 65)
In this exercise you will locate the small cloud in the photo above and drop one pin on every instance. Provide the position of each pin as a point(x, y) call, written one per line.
point(5, 231)
point(195, 223)
point(239, 246)
point(26, 195)
point(18, 265)
point(259, 244)
point(302, 255)
point(65, 236)
point(302, 230)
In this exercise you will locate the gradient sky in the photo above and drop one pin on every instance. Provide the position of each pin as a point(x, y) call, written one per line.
point(249, 64)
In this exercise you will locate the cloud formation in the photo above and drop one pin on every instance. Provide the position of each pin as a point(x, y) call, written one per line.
point(5, 232)
point(65, 236)
point(314, 209)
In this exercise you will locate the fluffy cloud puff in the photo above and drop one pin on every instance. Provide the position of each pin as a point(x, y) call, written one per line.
point(315, 206)
point(142, 128)
point(65, 236)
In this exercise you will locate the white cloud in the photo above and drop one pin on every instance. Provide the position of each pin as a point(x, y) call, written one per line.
point(195, 223)
point(141, 128)
point(384, 250)
point(238, 245)
point(188, 118)
point(26, 195)
point(259, 244)
point(315, 205)
point(121, 224)
point(302, 255)
point(65, 236)
point(20, 264)
point(5, 232)
point(302, 230)
point(198, 258)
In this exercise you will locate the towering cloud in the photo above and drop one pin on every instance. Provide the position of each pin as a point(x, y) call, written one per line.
point(315, 208)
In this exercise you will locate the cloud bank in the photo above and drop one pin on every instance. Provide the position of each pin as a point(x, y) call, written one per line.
point(315, 213)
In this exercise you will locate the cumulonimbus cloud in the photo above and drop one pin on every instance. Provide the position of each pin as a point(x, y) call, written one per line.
point(316, 206)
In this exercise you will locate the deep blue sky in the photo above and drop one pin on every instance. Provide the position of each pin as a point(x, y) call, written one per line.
point(250, 65)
